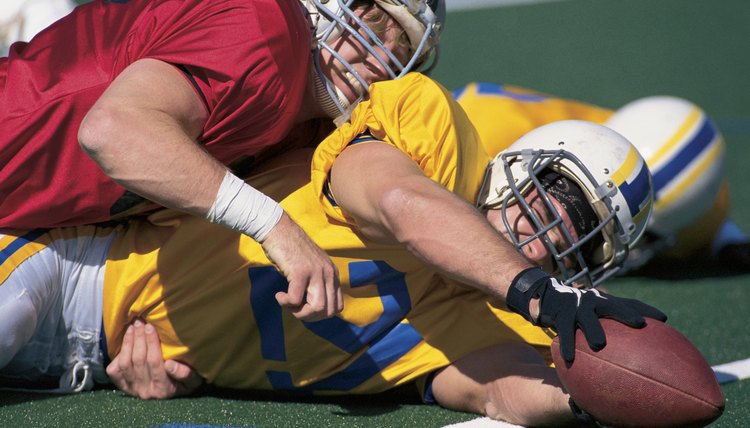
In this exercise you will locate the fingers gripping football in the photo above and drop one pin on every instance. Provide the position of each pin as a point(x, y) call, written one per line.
point(564, 309)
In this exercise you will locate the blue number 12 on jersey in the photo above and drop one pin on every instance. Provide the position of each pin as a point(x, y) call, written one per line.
point(387, 339)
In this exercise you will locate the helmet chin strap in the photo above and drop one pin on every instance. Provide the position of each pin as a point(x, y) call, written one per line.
point(340, 112)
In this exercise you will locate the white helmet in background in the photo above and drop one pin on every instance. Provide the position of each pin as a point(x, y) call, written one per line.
point(685, 152)
point(422, 21)
point(608, 194)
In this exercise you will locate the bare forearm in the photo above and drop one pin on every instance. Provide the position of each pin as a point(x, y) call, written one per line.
point(452, 236)
point(508, 382)
point(393, 201)
point(154, 158)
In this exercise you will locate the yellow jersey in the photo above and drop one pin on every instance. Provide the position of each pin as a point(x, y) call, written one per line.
point(503, 113)
point(209, 291)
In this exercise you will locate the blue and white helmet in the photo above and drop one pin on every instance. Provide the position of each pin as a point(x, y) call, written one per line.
point(609, 208)
point(685, 153)
point(422, 21)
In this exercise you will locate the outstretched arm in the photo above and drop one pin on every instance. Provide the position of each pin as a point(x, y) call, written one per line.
point(392, 201)
point(509, 382)
point(143, 131)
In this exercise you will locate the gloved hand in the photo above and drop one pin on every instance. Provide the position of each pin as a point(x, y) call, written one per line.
point(565, 308)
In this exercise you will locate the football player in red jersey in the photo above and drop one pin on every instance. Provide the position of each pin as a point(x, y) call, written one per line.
point(124, 102)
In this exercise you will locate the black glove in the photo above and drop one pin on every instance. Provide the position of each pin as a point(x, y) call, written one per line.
point(564, 309)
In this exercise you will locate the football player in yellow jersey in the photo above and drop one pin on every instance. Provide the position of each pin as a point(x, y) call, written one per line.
point(682, 146)
point(424, 273)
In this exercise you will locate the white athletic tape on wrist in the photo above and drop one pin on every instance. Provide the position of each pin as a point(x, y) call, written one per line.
point(242, 208)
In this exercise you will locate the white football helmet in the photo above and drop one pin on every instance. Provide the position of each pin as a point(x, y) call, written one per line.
point(612, 177)
point(422, 21)
point(685, 153)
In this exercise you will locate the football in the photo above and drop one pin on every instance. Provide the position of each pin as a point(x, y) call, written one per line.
point(648, 377)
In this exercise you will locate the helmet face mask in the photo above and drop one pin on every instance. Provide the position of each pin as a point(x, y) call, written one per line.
point(573, 256)
point(421, 20)
point(610, 178)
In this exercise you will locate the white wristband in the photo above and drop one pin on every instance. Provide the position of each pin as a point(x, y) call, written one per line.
point(242, 208)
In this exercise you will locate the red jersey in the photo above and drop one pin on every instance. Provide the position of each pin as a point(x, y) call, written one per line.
point(247, 59)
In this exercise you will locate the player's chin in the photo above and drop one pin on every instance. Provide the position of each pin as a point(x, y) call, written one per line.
point(350, 86)
point(349, 93)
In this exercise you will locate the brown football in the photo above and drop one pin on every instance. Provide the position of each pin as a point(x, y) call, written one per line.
point(648, 377)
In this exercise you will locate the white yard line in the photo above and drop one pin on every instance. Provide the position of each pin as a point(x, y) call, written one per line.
point(732, 372)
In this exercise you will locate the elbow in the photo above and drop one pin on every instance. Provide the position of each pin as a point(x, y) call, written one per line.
point(394, 202)
point(402, 211)
point(95, 134)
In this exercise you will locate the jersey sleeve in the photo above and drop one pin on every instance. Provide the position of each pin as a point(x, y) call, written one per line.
point(247, 60)
point(418, 116)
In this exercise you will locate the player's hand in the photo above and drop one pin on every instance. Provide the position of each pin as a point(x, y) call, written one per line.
point(314, 291)
point(139, 369)
point(564, 309)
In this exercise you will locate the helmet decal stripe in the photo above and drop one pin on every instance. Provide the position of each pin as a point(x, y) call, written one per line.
point(669, 194)
point(637, 192)
point(613, 177)
point(628, 167)
point(669, 147)
point(635, 189)
point(705, 136)
point(642, 216)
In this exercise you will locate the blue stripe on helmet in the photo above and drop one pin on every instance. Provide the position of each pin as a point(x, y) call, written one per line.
point(636, 192)
point(689, 152)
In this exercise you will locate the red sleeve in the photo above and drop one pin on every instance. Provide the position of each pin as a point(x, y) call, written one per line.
point(248, 59)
